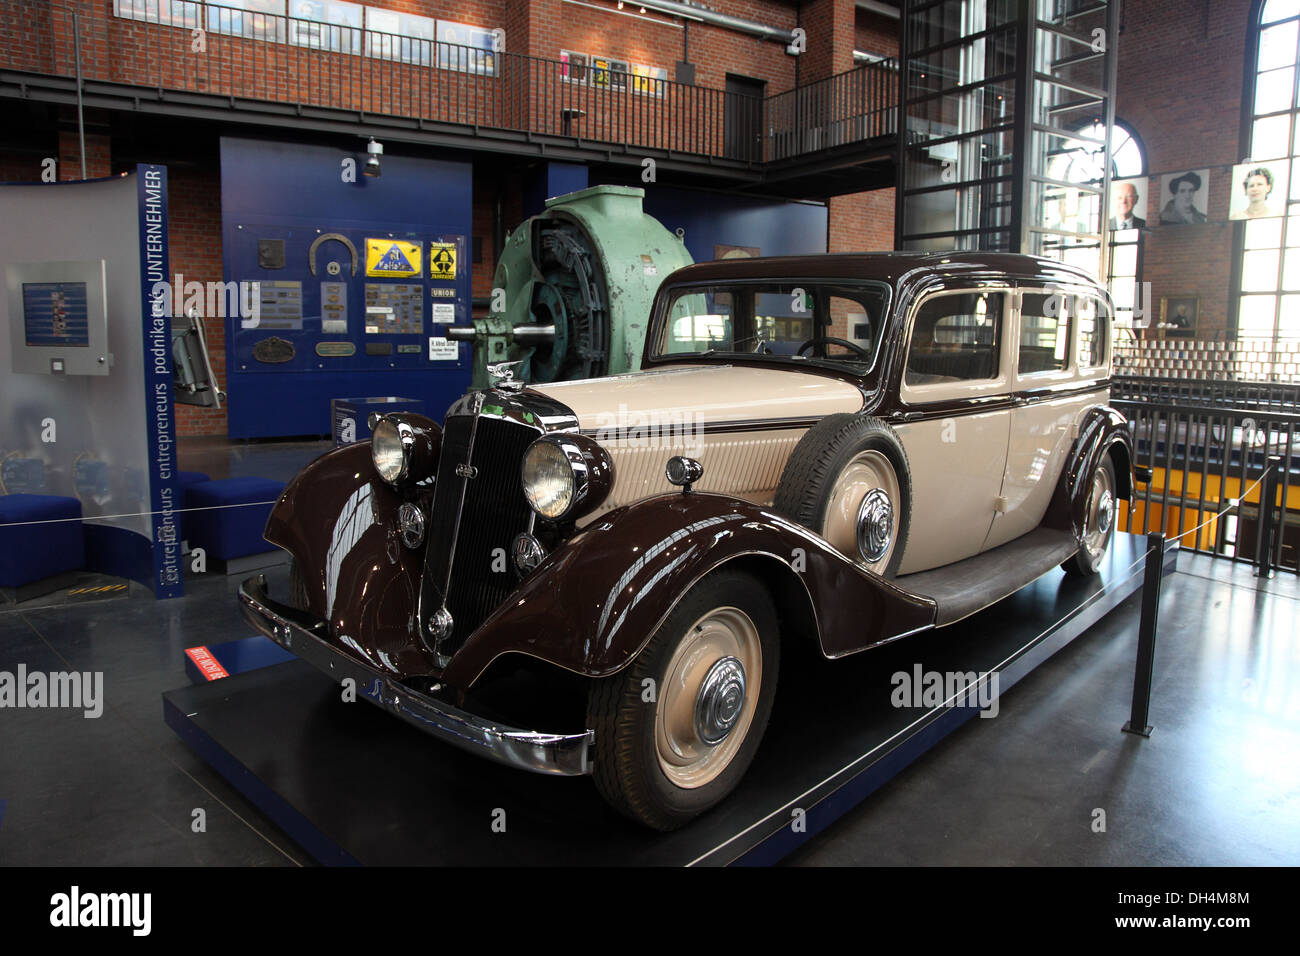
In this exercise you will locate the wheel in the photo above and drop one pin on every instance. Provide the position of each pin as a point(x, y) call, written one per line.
point(1098, 522)
point(848, 480)
point(713, 664)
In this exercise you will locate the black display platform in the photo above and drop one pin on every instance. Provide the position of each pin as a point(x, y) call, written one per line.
point(353, 785)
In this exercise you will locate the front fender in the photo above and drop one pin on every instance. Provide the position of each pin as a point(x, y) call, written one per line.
point(1104, 430)
point(339, 519)
point(597, 600)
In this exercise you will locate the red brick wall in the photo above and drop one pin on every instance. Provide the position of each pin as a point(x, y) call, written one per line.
point(875, 33)
point(194, 237)
point(69, 157)
point(831, 26)
point(1180, 88)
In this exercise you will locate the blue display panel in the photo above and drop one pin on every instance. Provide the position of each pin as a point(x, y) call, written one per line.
point(345, 284)
point(56, 313)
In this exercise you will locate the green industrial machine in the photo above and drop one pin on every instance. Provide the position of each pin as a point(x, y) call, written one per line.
point(572, 291)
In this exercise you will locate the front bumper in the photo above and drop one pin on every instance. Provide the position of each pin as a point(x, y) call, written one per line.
point(292, 629)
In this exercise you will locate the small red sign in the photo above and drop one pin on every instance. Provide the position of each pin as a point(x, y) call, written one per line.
point(208, 665)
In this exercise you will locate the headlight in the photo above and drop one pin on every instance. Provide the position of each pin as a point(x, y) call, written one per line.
point(404, 448)
point(566, 476)
point(387, 451)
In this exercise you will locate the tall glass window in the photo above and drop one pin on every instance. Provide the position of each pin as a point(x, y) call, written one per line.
point(1269, 305)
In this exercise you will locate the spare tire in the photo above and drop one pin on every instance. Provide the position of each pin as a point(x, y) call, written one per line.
point(848, 480)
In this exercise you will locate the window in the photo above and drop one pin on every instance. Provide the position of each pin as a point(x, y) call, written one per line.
point(1044, 333)
point(955, 338)
point(1270, 250)
point(1093, 317)
point(773, 319)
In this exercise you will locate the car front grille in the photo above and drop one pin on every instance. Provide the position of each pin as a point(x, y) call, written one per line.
point(494, 512)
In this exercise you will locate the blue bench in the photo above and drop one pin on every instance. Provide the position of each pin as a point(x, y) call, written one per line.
point(226, 517)
point(32, 552)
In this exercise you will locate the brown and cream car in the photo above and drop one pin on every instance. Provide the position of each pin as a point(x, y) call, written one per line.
point(836, 450)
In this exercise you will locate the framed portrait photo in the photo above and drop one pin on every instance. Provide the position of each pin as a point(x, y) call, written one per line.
point(1258, 190)
point(1128, 203)
point(1186, 197)
point(1178, 316)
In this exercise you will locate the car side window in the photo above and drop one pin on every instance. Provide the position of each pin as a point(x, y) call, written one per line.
point(1044, 332)
point(955, 338)
point(1093, 329)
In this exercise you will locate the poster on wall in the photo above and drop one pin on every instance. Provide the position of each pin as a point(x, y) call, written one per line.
point(1187, 196)
point(649, 80)
point(392, 258)
point(332, 25)
point(1128, 203)
point(1178, 316)
point(469, 49)
point(256, 19)
point(573, 66)
point(1258, 190)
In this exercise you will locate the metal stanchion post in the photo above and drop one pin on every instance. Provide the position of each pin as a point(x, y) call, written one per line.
point(1146, 653)
point(1266, 527)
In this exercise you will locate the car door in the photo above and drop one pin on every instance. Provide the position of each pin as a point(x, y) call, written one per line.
point(954, 421)
point(1052, 390)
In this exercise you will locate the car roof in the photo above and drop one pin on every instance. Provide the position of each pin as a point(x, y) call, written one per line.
point(893, 267)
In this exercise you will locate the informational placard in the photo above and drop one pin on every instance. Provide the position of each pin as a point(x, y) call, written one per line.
point(281, 305)
point(394, 308)
point(392, 258)
point(442, 349)
point(56, 313)
point(334, 308)
point(443, 313)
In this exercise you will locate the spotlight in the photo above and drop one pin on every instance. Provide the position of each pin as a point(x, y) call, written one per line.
point(620, 4)
point(372, 163)
point(643, 9)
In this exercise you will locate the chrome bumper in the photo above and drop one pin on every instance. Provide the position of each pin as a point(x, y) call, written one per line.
point(566, 754)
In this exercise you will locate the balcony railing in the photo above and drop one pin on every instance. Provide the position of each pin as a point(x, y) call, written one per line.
point(198, 47)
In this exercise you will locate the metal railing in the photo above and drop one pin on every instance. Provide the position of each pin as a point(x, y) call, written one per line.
point(1212, 465)
point(861, 104)
point(198, 47)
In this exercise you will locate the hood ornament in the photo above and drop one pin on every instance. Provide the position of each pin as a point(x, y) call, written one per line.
point(502, 376)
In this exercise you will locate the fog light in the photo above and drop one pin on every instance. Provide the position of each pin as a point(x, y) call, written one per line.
point(411, 520)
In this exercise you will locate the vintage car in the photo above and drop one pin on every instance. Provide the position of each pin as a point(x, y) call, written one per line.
point(835, 450)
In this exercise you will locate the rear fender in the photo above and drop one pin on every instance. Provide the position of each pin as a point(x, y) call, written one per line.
point(339, 519)
point(1103, 431)
point(596, 601)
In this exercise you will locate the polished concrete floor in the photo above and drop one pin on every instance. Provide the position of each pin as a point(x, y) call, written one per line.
point(1218, 782)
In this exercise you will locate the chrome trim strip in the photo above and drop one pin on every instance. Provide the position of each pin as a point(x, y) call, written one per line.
point(436, 715)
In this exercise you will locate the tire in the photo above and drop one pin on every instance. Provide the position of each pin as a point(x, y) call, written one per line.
point(652, 762)
point(841, 461)
point(1098, 522)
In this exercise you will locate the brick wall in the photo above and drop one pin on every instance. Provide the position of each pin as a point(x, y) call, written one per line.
point(1180, 88)
point(194, 237)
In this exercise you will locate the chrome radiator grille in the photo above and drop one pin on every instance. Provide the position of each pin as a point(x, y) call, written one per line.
point(494, 512)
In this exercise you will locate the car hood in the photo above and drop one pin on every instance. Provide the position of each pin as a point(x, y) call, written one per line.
point(705, 395)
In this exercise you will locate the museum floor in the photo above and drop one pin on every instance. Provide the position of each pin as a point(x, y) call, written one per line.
point(1218, 782)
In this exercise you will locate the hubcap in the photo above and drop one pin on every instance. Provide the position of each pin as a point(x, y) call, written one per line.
point(721, 698)
point(704, 707)
point(1101, 513)
point(859, 519)
point(875, 525)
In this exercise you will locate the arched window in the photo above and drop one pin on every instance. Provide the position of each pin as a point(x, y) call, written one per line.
point(1083, 165)
point(1268, 306)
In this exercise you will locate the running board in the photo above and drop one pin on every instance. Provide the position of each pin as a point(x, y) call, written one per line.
point(964, 587)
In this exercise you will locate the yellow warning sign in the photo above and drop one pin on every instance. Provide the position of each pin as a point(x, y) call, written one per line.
point(442, 260)
point(392, 257)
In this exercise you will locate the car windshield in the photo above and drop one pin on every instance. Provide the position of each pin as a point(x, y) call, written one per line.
point(821, 321)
